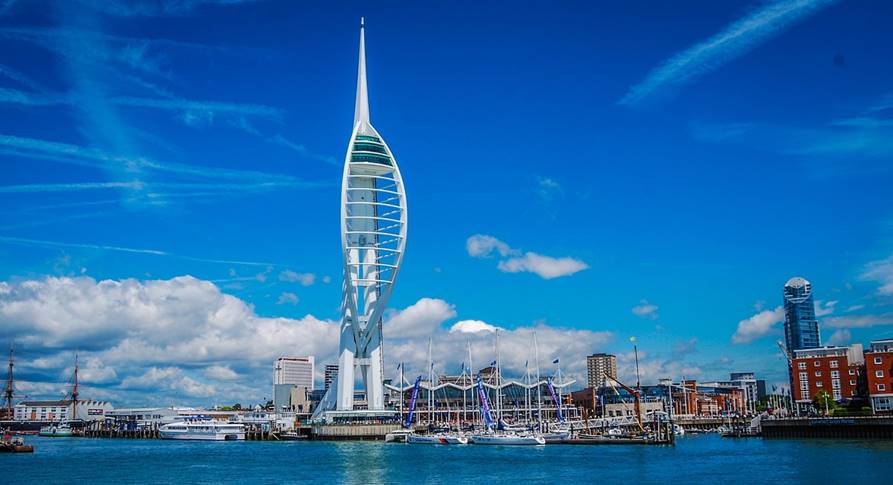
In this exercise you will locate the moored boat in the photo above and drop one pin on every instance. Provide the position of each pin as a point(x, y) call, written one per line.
point(202, 430)
point(436, 439)
point(57, 430)
point(508, 439)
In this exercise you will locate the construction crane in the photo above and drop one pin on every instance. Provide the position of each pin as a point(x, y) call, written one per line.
point(635, 395)
point(784, 351)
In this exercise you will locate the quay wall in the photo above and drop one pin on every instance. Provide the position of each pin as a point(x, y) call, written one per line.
point(866, 427)
point(352, 431)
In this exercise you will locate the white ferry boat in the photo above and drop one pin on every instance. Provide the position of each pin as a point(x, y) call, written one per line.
point(208, 430)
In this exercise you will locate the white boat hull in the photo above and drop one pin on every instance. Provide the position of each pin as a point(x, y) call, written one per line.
point(203, 436)
point(436, 439)
point(508, 440)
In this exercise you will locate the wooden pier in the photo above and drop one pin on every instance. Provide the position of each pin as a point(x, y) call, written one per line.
point(856, 427)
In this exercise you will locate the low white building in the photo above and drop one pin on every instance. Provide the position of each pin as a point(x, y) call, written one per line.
point(52, 411)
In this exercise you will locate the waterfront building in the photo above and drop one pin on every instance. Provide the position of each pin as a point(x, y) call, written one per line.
point(290, 398)
point(597, 365)
point(835, 370)
point(879, 375)
point(331, 372)
point(53, 411)
point(801, 329)
point(297, 371)
point(373, 238)
point(754, 389)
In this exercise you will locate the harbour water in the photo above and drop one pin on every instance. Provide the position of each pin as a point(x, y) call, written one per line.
point(694, 459)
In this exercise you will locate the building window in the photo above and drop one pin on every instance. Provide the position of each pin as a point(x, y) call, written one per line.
point(833, 364)
point(881, 387)
point(835, 383)
point(818, 373)
point(836, 394)
point(878, 360)
point(818, 384)
point(816, 363)
point(835, 373)
point(852, 372)
point(879, 373)
point(852, 382)
point(801, 365)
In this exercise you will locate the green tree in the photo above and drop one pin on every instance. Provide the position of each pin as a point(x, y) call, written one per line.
point(823, 403)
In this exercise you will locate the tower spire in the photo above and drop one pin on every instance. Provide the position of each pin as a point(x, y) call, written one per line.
point(361, 111)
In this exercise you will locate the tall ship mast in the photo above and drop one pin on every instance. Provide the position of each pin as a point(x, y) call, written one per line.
point(9, 392)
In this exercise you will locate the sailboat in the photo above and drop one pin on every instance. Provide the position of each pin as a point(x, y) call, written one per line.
point(494, 437)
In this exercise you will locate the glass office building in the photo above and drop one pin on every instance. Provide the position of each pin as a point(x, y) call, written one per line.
point(801, 329)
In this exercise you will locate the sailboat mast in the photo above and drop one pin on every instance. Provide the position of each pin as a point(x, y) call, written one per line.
point(10, 383)
point(471, 376)
point(498, 382)
point(430, 384)
point(74, 390)
point(539, 392)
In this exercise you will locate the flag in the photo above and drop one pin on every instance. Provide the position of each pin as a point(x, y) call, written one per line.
point(398, 365)
point(493, 363)
point(555, 361)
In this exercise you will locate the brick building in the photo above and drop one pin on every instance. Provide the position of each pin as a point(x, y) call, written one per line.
point(879, 375)
point(835, 370)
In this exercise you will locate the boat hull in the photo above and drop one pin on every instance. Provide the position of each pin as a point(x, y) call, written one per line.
point(436, 440)
point(508, 440)
point(202, 436)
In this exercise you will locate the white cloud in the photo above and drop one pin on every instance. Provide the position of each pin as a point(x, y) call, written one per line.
point(305, 279)
point(824, 308)
point(472, 326)
point(288, 298)
point(419, 319)
point(853, 308)
point(183, 341)
point(545, 267)
point(221, 373)
point(840, 337)
point(882, 272)
point(483, 246)
point(735, 40)
point(547, 188)
point(757, 325)
point(645, 310)
point(858, 321)
point(326, 279)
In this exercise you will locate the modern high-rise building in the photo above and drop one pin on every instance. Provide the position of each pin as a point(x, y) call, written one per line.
point(597, 365)
point(297, 371)
point(330, 374)
point(373, 237)
point(801, 329)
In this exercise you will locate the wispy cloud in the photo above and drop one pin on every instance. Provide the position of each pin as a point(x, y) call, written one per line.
point(736, 39)
point(153, 252)
point(157, 8)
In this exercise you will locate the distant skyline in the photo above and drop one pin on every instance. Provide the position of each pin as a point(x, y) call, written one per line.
point(171, 172)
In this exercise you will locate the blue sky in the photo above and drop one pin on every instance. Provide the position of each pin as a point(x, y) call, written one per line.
point(170, 183)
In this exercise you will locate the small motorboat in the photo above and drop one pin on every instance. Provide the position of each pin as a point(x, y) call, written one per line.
point(15, 445)
point(397, 436)
point(57, 430)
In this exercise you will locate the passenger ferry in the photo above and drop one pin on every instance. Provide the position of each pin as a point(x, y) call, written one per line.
point(203, 429)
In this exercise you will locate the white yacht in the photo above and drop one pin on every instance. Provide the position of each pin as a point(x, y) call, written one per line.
point(436, 439)
point(208, 430)
point(508, 439)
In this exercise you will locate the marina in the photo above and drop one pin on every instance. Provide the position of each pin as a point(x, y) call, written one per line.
point(698, 458)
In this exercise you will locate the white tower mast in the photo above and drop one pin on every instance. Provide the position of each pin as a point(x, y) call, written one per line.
point(373, 237)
